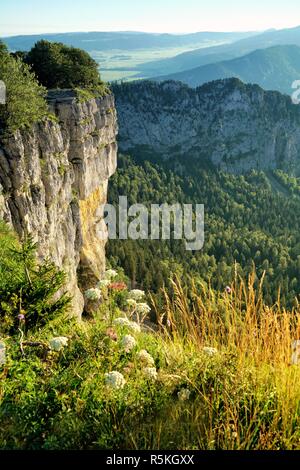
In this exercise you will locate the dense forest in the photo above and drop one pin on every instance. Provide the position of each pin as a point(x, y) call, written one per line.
point(251, 222)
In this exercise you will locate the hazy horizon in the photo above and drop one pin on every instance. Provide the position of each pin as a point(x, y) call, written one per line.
point(171, 33)
point(157, 16)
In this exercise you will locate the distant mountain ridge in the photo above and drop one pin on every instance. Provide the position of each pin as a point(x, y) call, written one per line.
point(196, 58)
point(275, 68)
point(127, 40)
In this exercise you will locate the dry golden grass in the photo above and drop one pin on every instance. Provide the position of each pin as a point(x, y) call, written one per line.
point(258, 407)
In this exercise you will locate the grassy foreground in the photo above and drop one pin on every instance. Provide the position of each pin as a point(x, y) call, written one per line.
point(223, 378)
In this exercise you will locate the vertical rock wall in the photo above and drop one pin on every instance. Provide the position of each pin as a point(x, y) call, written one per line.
point(54, 179)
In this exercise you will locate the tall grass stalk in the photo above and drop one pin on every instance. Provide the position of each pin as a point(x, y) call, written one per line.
point(257, 406)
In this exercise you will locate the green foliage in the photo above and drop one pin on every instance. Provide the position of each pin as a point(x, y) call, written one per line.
point(63, 403)
point(26, 287)
point(86, 94)
point(25, 97)
point(251, 219)
point(3, 48)
point(60, 66)
point(244, 396)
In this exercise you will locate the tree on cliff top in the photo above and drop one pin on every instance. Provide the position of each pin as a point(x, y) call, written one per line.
point(60, 66)
point(25, 103)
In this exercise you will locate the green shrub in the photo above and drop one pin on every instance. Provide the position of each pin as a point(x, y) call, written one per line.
point(25, 97)
point(26, 287)
point(60, 66)
point(233, 397)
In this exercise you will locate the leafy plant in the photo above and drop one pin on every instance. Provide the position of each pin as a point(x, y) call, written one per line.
point(59, 66)
point(25, 98)
point(224, 380)
point(28, 290)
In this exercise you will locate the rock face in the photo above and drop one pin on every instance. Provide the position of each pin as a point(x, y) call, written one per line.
point(235, 127)
point(54, 180)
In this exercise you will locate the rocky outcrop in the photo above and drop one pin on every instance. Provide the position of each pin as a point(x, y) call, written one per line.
point(53, 181)
point(234, 126)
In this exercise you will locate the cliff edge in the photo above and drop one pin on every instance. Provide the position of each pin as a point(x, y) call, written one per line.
point(233, 126)
point(54, 180)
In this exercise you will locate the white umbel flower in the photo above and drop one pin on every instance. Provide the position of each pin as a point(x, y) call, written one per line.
point(128, 343)
point(134, 327)
point(131, 303)
point(210, 351)
point(143, 309)
point(115, 380)
point(59, 343)
point(121, 321)
point(136, 294)
point(103, 284)
point(131, 325)
point(93, 294)
point(110, 274)
point(145, 358)
point(184, 394)
point(150, 373)
point(2, 353)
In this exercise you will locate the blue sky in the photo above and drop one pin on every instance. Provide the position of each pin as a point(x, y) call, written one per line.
point(38, 16)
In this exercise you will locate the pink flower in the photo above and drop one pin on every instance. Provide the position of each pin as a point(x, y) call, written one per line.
point(119, 286)
point(228, 290)
point(112, 334)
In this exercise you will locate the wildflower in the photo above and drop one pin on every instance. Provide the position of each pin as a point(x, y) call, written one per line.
point(112, 334)
point(131, 303)
point(136, 294)
point(2, 353)
point(143, 309)
point(150, 373)
point(128, 343)
point(129, 368)
point(110, 274)
point(145, 358)
point(184, 394)
point(57, 344)
point(134, 327)
point(210, 351)
point(228, 290)
point(93, 294)
point(119, 286)
point(115, 380)
point(21, 317)
point(121, 321)
point(127, 323)
point(103, 284)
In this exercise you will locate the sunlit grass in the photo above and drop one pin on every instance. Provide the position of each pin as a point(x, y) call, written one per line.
point(242, 393)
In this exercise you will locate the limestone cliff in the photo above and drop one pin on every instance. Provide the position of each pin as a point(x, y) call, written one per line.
point(54, 179)
point(234, 126)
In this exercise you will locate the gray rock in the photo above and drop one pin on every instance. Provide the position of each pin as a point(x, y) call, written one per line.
point(54, 178)
point(234, 126)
